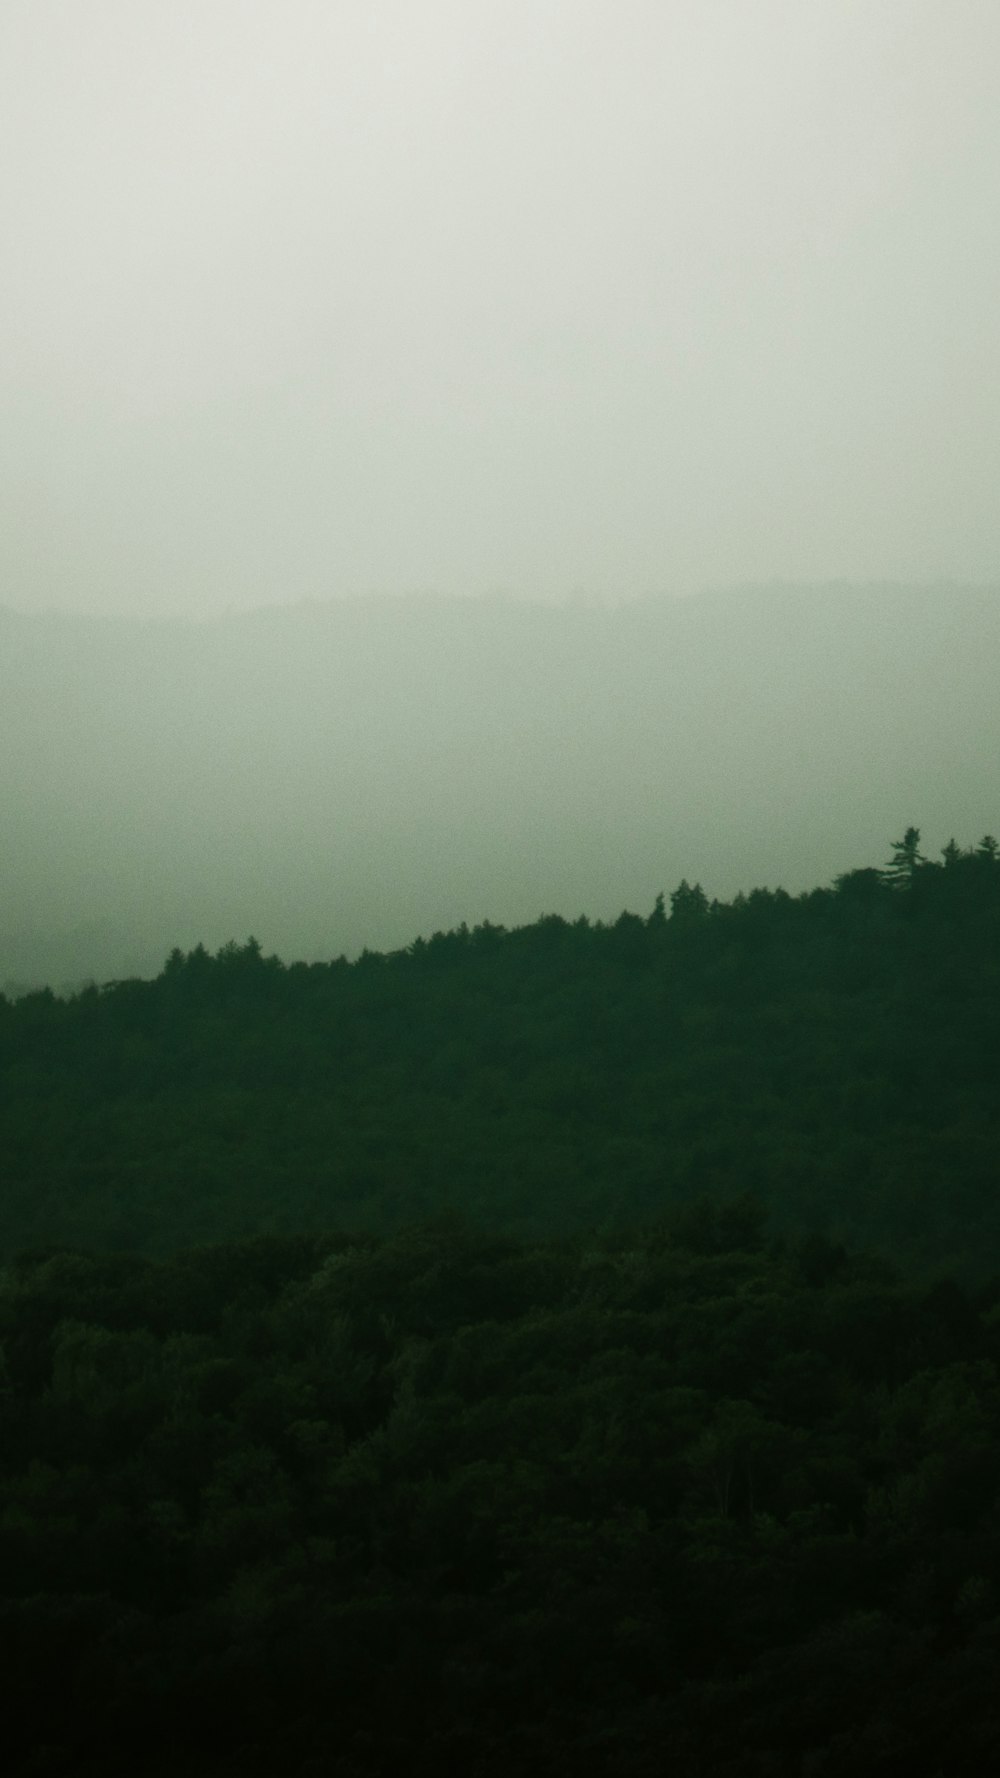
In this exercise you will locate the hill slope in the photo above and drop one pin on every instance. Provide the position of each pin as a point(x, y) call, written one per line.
point(836, 1053)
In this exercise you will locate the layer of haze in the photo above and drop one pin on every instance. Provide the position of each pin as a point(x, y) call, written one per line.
point(303, 299)
point(354, 774)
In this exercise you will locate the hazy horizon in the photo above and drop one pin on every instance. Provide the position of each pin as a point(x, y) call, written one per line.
point(467, 462)
point(600, 599)
point(329, 777)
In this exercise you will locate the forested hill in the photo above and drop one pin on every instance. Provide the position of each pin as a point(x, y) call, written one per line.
point(835, 1053)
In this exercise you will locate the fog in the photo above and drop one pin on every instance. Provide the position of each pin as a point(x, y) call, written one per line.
point(381, 388)
point(304, 300)
point(349, 775)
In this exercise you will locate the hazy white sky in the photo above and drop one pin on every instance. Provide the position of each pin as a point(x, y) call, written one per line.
point(312, 297)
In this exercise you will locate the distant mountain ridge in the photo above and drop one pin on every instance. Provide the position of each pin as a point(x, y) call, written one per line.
point(342, 775)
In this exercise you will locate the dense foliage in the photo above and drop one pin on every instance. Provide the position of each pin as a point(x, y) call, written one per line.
point(586, 1475)
point(836, 1052)
point(449, 1504)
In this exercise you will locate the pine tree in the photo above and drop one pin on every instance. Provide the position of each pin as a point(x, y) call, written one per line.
point(905, 861)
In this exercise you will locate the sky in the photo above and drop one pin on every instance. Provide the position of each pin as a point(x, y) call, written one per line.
point(358, 772)
point(302, 299)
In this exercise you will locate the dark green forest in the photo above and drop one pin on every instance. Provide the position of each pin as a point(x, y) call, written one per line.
point(448, 1503)
point(836, 1053)
point(571, 1350)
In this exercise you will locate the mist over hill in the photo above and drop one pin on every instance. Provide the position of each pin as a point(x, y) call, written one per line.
point(335, 776)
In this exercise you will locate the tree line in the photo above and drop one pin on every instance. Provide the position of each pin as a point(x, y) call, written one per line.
point(835, 1051)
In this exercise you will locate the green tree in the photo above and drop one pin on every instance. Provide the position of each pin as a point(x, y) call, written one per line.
point(688, 902)
point(906, 859)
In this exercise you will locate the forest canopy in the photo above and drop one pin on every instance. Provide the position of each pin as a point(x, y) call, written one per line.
point(449, 1503)
point(835, 1052)
point(461, 1361)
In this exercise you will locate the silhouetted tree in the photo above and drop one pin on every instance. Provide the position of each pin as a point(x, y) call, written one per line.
point(658, 916)
point(906, 859)
point(688, 902)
